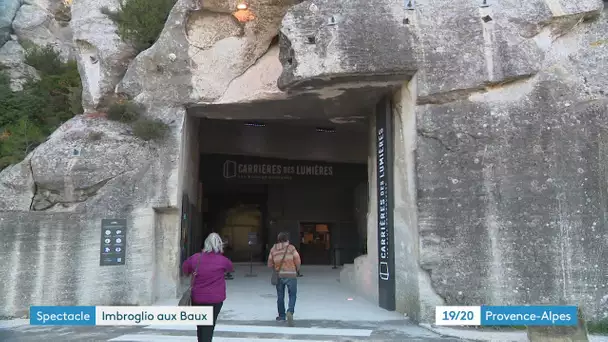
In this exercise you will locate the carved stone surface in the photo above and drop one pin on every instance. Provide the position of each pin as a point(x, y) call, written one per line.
point(8, 10)
point(12, 60)
point(501, 197)
point(101, 55)
point(39, 24)
point(201, 51)
point(327, 42)
point(511, 184)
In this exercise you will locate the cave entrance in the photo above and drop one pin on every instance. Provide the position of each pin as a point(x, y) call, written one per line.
point(298, 165)
point(260, 178)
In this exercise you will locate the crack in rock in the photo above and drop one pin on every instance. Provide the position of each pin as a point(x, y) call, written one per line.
point(35, 187)
point(45, 199)
point(429, 135)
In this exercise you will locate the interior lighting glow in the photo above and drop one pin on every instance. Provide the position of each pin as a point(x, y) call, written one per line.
point(255, 124)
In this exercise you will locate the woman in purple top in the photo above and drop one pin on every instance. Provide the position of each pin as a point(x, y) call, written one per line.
point(209, 288)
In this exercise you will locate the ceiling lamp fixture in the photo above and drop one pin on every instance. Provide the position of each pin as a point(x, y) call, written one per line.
point(243, 14)
point(255, 124)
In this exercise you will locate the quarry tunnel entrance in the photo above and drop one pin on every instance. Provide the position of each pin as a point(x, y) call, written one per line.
point(298, 165)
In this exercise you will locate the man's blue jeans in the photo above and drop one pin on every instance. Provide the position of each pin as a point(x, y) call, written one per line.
point(292, 288)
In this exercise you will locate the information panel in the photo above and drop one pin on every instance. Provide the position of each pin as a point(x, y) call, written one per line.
point(252, 238)
point(113, 242)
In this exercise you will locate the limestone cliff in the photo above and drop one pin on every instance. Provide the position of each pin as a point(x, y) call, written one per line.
point(500, 140)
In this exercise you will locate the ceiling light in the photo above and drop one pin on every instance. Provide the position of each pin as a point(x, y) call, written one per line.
point(255, 124)
point(242, 13)
point(326, 130)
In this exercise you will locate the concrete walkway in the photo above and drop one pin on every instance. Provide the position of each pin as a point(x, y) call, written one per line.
point(325, 311)
point(320, 297)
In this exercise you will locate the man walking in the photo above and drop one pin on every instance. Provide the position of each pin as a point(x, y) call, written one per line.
point(285, 259)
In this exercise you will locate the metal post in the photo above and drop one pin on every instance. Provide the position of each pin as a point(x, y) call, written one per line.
point(335, 259)
point(251, 274)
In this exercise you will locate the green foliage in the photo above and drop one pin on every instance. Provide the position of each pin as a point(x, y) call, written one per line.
point(599, 327)
point(126, 112)
point(29, 116)
point(130, 113)
point(147, 129)
point(44, 59)
point(140, 22)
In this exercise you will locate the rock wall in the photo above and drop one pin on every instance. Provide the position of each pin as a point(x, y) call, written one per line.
point(88, 170)
point(92, 168)
point(8, 10)
point(102, 56)
point(510, 160)
point(327, 42)
point(37, 22)
point(201, 52)
point(510, 116)
point(507, 203)
point(45, 22)
point(362, 275)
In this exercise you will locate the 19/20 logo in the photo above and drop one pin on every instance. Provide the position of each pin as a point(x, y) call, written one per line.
point(458, 315)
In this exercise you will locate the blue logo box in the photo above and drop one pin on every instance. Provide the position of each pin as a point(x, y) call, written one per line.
point(62, 315)
point(529, 315)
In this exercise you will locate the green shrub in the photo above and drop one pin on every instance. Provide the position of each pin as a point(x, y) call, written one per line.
point(44, 59)
point(140, 22)
point(598, 327)
point(131, 113)
point(147, 129)
point(29, 116)
point(126, 112)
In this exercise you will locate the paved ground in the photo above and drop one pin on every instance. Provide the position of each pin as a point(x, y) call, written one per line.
point(325, 311)
point(231, 331)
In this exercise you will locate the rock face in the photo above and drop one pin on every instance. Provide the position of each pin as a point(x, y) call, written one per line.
point(201, 52)
point(327, 42)
point(38, 22)
point(511, 173)
point(12, 59)
point(73, 181)
point(101, 55)
point(76, 182)
point(8, 10)
point(85, 158)
point(508, 109)
point(18, 187)
point(500, 150)
point(45, 23)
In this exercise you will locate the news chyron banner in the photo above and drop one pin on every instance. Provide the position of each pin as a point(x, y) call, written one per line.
point(121, 315)
point(506, 315)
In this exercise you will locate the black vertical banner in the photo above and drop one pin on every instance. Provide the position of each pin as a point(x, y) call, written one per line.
point(384, 176)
